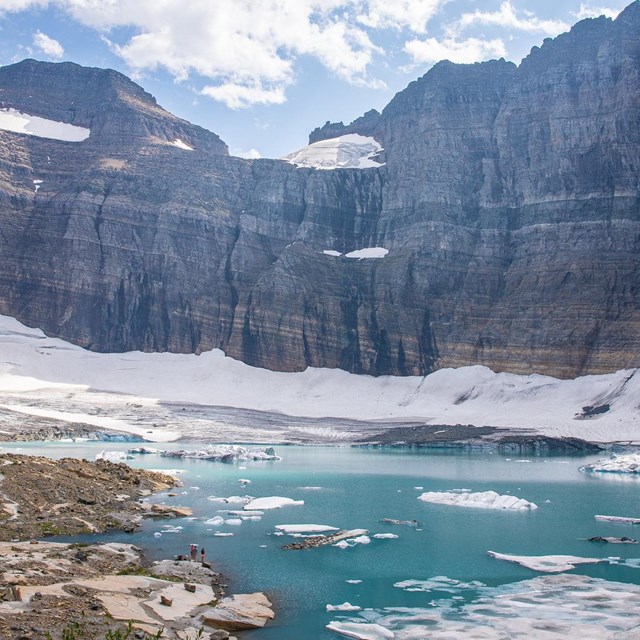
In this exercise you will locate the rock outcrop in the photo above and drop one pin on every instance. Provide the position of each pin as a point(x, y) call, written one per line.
point(509, 204)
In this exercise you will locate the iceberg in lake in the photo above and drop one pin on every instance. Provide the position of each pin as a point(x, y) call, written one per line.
point(479, 500)
point(546, 564)
point(628, 463)
point(271, 502)
point(225, 453)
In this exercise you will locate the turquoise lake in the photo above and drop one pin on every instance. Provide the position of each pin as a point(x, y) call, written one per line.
point(355, 488)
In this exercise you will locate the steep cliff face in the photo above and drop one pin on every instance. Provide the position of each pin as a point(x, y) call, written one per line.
point(509, 204)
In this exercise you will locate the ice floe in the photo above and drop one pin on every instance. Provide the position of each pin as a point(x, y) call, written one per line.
point(353, 581)
point(305, 528)
point(113, 456)
point(438, 583)
point(220, 534)
point(618, 519)
point(546, 564)
point(361, 630)
point(145, 450)
point(544, 608)
point(345, 606)
point(348, 151)
point(224, 453)
point(385, 536)
point(18, 122)
point(271, 502)
point(216, 521)
point(480, 500)
point(627, 463)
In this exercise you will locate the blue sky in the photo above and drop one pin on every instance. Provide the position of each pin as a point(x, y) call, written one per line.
point(263, 73)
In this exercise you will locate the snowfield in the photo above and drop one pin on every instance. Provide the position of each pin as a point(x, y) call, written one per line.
point(34, 368)
point(17, 122)
point(349, 151)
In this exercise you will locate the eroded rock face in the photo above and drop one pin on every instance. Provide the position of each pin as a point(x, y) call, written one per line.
point(509, 203)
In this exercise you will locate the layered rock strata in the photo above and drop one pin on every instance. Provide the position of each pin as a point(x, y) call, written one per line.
point(509, 203)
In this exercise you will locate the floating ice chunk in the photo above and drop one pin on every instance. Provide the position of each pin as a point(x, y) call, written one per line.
point(216, 521)
point(112, 456)
point(418, 488)
point(480, 500)
point(361, 630)
point(145, 450)
point(546, 564)
point(181, 145)
point(311, 488)
point(244, 481)
point(244, 514)
point(348, 151)
point(221, 534)
point(618, 519)
point(628, 463)
point(231, 499)
point(225, 453)
point(438, 583)
point(360, 540)
point(353, 581)
point(346, 606)
point(369, 252)
point(157, 534)
point(271, 502)
point(236, 522)
point(305, 528)
point(331, 252)
point(385, 536)
point(342, 544)
point(18, 122)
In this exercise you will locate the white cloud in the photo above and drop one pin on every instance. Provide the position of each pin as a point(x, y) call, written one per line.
point(594, 12)
point(507, 17)
point(50, 47)
point(252, 154)
point(12, 6)
point(399, 14)
point(246, 50)
point(237, 96)
point(432, 50)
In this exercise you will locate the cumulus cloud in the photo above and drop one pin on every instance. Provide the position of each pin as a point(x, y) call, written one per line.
point(399, 14)
point(507, 17)
point(594, 12)
point(432, 50)
point(237, 96)
point(50, 47)
point(252, 154)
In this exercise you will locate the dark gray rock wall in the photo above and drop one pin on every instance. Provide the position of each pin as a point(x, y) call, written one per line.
point(509, 203)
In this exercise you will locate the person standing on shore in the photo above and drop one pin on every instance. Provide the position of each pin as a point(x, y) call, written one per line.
point(202, 555)
point(193, 552)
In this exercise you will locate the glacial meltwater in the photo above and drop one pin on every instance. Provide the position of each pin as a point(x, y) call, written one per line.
point(435, 579)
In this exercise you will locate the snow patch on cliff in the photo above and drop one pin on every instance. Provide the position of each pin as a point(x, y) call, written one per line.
point(18, 122)
point(349, 151)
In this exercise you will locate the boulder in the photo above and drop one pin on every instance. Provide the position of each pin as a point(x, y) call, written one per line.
point(239, 612)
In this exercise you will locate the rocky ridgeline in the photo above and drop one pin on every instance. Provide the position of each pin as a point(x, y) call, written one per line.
point(41, 497)
point(508, 204)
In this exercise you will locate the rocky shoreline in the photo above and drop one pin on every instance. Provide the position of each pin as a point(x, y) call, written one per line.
point(83, 591)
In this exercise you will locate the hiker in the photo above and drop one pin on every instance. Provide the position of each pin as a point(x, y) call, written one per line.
point(193, 552)
point(202, 555)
